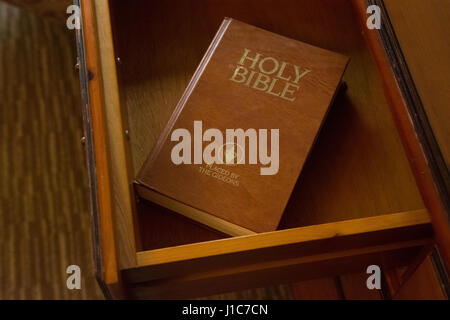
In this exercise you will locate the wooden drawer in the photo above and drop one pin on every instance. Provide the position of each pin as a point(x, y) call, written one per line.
point(359, 201)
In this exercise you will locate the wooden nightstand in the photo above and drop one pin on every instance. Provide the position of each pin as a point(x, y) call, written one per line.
point(365, 197)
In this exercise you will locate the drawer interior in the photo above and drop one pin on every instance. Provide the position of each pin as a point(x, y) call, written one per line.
point(357, 168)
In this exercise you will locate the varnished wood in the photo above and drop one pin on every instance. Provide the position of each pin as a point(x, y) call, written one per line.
point(183, 230)
point(153, 74)
point(354, 287)
point(279, 292)
point(273, 272)
point(358, 168)
point(317, 289)
point(350, 286)
point(280, 238)
point(115, 130)
point(422, 28)
point(109, 271)
point(406, 128)
point(271, 256)
point(423, 284)
point(183, 238)
point(45, 221)
point(55, 9)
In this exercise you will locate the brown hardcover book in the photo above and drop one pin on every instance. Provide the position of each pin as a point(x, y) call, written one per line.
point(235, 144)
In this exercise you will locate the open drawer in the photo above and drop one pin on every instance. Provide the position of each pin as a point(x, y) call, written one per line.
point(358, 200)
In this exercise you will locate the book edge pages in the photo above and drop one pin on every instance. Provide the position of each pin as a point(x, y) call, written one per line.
point(193, 213)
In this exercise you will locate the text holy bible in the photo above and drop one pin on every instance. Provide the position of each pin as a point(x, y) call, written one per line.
point(233, 149)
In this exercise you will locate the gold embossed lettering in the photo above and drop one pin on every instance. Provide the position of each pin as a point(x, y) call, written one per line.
point(299, 75)
point(276, 64)
point(272, 85)
point(289, 89)
point(267, 74)
point(239, 72)
point(280, 72)
point(250, 78)
point(261, 79)
point(253, 60)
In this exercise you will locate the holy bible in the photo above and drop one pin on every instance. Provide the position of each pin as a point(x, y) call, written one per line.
point(234, 147)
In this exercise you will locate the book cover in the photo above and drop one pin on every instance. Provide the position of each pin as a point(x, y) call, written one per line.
point(235, 145)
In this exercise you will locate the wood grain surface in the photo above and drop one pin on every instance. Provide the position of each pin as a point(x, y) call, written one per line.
point(44, 225)
point(44, 208)
point(423, 285)
point(423, 30)
point(423, 154)
point(358, 167)
point(45, 221)
point(54, 9)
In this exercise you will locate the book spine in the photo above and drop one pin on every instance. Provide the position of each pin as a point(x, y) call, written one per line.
point(184, 98)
